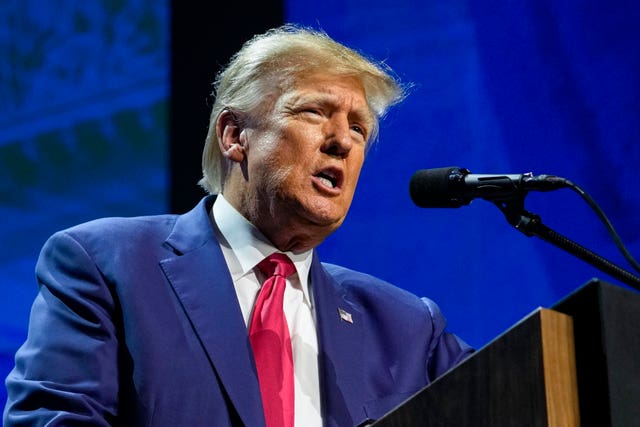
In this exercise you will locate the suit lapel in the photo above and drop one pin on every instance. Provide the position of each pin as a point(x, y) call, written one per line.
point(200, 279)
point(340, 348)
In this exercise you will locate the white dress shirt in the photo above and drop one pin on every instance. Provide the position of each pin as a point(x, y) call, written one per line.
point(244, 247)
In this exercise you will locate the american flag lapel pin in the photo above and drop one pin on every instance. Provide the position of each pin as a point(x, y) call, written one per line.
point(345, 316)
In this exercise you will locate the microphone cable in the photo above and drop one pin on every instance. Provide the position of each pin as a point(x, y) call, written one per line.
point(603, 217)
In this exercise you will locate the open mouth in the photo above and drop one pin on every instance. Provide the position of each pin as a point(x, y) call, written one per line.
point(330, 178)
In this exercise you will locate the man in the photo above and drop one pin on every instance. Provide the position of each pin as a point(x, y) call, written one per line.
point(150, 321)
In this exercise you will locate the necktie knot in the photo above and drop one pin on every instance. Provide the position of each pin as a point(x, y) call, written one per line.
point(277, 264)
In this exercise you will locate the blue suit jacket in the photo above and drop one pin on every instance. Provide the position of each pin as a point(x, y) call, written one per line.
point(137, 323)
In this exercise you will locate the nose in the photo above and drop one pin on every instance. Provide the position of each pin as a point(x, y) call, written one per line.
point(338, 139)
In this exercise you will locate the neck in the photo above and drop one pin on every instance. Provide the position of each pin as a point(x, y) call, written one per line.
point(292, 237)
point(288, 233)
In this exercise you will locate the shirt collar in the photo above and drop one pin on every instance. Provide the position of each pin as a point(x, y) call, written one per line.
point(250, 246)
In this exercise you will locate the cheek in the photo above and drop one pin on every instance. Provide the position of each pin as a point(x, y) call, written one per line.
point(356, 167)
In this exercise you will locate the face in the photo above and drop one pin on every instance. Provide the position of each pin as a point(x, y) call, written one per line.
point(301, 164)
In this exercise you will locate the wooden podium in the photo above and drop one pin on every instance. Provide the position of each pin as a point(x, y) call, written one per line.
point(576, 364)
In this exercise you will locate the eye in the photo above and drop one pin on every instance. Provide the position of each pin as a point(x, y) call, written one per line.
point(311, 110)
point(358, 129)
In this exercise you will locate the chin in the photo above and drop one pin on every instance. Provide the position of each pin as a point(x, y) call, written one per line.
point(323, 217)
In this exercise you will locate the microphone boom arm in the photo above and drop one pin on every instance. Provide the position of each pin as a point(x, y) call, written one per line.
point(531, 225)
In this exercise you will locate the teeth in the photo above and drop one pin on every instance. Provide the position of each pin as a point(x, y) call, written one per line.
point(326, 181)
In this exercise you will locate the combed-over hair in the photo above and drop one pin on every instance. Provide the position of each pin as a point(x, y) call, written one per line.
point(267, 66)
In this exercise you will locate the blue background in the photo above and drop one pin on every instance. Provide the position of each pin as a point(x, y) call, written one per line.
point(83, 130)
point(498, 87)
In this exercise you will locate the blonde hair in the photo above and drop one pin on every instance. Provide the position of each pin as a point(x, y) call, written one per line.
point(267, 66)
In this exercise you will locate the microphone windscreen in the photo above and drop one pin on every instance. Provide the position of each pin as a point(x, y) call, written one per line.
point(431, 188)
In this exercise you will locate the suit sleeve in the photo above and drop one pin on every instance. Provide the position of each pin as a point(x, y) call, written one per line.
point(66, 371)
point(446, 349)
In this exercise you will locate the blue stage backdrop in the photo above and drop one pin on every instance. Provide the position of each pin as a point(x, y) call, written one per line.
point(499, 87)
point(508, 87)
point(83, 130)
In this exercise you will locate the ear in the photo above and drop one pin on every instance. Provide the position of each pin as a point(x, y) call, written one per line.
point(228, 131)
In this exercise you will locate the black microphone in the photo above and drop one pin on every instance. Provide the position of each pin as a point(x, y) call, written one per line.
point(453, 187)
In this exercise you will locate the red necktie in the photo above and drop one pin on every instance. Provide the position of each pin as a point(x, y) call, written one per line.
point(271, 343)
